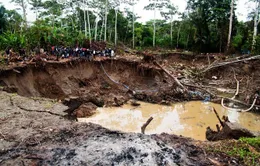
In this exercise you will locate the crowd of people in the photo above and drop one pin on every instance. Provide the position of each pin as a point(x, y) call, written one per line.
point(65, 52)
point(60, 52)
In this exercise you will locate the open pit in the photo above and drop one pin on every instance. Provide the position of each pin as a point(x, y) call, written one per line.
point(35, 128)
point(89, 80)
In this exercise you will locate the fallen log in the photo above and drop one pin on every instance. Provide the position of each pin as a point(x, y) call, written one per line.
point(116, 82)
point(146, 124)
point(230, 62)
point(174, 78)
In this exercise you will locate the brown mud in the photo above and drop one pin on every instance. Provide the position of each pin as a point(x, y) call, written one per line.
point(37, 131)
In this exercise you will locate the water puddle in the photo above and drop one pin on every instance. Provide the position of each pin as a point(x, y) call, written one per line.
point(188, 119)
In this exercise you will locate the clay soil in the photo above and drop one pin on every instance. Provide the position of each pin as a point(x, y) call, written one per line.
point(39, 103)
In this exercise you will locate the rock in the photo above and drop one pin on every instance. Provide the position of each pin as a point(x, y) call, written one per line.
point(118, 101)
point(85, 110)
point(10, 89)
point(164, 102)
point(73, 103)
point(134, 103)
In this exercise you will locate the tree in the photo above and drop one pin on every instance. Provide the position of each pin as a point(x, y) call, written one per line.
point(168, 13)
point(230, 23)
point(14, 20)
point(155, 5)
point(105, 32)
point(23, 5)
point(116, 4)
point(3, 19)
point(132, 3)
point(53, 10)
point(209, 17)
point(36, 6)
point(256, 22)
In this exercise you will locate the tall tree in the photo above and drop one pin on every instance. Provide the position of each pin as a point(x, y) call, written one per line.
point(155, 5)
point(105, 31)
point(3, 19)
point(132, 4)
point(85, 20)
point(36, 6)
point(23, 5)
point(210, 20)
point(256, 22)
point(116, 4)
point(53, 10)
point(168, 13)
point(230, 23)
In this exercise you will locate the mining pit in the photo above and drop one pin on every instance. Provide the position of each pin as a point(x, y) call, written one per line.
point(44, 108)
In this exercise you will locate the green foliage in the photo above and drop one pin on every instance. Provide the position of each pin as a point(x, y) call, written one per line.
point(237, 41)
point(14, 40)
point(255, 142)
point(3, 20)
point(203, 29)
point(247, 149)
point(257, 45)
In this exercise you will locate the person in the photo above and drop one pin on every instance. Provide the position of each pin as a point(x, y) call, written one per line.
point(112, 53)
point(52, 50)
point(106, 52)
point(109, 52)
point(88, 53)
point(7, 52)
point(22, 52)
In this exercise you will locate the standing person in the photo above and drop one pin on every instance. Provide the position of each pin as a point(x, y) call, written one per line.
point(7, 52)
point(52, 50)
point(109, 52)
point(84, 50)
point(112, 54)
point(57, 52)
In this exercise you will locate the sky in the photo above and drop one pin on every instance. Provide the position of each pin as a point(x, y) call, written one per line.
point(243, 7)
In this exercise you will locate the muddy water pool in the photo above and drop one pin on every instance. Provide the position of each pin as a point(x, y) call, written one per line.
point(189, 119)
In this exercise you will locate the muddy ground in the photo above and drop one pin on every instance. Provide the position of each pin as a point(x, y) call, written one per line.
point(40, 131)
point(36, 131)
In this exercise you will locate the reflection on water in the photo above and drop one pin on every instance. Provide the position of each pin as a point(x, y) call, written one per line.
point(188, 119)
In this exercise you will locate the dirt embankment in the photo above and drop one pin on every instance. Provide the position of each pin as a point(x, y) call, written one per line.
point(107, 82)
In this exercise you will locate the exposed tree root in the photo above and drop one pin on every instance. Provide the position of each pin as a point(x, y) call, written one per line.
point(28, 110)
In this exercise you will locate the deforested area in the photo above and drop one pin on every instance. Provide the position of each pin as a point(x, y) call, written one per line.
point(111, 82)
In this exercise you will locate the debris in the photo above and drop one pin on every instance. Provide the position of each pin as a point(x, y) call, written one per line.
point(229, 131)
point(214, 77)
point(146, 124)
point(134, 103)
point(230, 62)
point(174, 78)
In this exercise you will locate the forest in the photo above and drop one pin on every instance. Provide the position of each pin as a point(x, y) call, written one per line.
point(206, 26)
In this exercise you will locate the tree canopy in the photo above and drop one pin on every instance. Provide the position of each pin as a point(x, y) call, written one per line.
point(203, 27)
